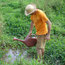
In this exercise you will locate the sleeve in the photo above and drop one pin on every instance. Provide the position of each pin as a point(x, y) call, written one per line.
point(43, 16)
point(31, 17)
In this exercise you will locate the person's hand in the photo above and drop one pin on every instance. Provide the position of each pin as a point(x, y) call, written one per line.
point(47, 37)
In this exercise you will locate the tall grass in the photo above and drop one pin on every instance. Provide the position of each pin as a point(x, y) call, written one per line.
point(1, 28)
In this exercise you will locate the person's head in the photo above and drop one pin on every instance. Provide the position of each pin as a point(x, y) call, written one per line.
point(30, 9)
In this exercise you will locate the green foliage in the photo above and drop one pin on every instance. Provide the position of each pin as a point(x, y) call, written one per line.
point(55, 49)
point(24, 62)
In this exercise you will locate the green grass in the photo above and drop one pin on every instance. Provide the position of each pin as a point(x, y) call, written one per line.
point(13, 22)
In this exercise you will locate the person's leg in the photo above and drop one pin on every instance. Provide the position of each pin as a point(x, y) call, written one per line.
point(39, 46)
point(39, 53)
point(43, 48)
point(42, 52)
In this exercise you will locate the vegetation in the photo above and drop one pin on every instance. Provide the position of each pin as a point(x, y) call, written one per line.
point(13, 22)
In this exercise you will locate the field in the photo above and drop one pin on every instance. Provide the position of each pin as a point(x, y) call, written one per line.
point(14, 23)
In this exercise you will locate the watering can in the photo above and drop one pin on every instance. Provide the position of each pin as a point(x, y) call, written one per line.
point(29, 41)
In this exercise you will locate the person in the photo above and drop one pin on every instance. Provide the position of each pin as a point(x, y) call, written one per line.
point(42, 25)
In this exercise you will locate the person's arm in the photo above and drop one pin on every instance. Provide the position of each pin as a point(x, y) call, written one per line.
point(31, 28)
point(49, 29)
